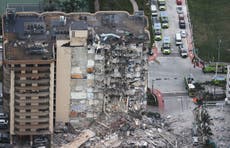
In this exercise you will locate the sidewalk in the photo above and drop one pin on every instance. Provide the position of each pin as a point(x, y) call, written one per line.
point(135, 6)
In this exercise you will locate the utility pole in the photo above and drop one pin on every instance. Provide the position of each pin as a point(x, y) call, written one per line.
point(218, 55)
point(218, 59)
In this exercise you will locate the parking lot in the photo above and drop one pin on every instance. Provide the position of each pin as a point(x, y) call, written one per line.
point(167, 74)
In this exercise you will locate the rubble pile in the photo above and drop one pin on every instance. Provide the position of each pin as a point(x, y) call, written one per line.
point(135, 129)
point(63, 134)
point(120, 71)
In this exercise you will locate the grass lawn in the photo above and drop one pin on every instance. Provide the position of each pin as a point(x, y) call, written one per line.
point(211, 19)
point(124, 5)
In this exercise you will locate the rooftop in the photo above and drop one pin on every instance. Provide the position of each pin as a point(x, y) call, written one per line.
point(31, 36)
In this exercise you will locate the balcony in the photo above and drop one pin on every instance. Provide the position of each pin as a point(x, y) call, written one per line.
point(32, 75)
point(32, 132)
point(32, 94)
point(30, 68)
point(41, 113)
point(32, 107)
point(38, 126)
point(32, 81)
point(43, 100)
point(20, 120)
point(31, 87)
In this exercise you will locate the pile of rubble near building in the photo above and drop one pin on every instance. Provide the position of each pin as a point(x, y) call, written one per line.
point(131, 129)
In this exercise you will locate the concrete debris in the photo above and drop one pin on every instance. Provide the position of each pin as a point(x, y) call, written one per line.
point(80, 139)
point(135, 129)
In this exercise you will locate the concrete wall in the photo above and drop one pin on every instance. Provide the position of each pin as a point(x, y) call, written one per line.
point(12, 103)
point(51, 101)
point(63, 75)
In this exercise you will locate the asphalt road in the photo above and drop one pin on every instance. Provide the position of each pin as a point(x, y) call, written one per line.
point(167, 75)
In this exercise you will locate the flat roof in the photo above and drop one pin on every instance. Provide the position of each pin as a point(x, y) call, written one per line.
point(31, 36)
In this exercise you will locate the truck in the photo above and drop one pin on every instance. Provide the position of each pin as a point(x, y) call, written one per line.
point(161, 5)
point(164, 19)
point(166, 46)
point(190, 85)
point(157, 31)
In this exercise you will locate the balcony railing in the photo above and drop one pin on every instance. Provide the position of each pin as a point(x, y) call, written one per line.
point(21, 120)
point(32, 132)
point(32, 94)
point(32, 81)
point(41, 113)
point(31, 87)
point(43, 100)
point(32, 107)
point(38, 126)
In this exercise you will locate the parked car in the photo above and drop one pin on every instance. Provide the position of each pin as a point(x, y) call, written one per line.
point(3, 116)
point(4, 138)
point(178, 39)
point(154, 10)
point(155, 20)
point(181, 16)
point(40, 142)
point(179, 2)
point(150, 51)
point(179, 10)
point(182, 24)
point(3, 123)
point(183, 51)
point(183, 33)
point(227, 101)
point(195, 141)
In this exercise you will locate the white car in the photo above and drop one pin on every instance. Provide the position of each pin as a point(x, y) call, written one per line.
point(179, 10)
point(195, 140)
point(227, 101)
point(183, 33)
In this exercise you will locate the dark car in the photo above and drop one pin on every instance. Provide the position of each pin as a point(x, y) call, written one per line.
point(182, 24)
point(150, 51)
point(40, 142)
point(155, 20)
point(4, 138)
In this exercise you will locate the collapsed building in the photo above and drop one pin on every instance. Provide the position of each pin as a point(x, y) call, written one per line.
point(69, 68)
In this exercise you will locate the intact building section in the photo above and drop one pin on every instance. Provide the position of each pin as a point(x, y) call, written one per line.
point(28, 71)
point(63, 69)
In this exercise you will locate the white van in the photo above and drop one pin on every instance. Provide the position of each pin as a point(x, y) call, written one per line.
point(154, 10)
point(178, 39)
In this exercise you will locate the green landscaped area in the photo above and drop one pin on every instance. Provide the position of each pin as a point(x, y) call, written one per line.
point(210, 20)
point(145, 5)
point(3, 3)
point(122, 5)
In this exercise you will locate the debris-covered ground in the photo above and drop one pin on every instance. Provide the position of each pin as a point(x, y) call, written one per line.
point(132, 129)
point(146, 129)
point(181, 124)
